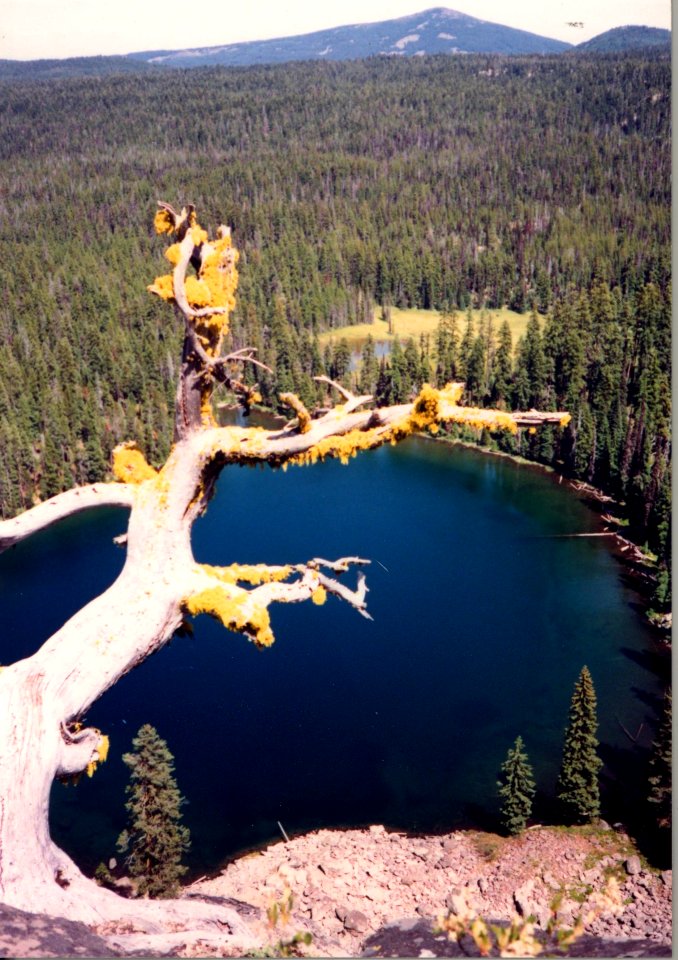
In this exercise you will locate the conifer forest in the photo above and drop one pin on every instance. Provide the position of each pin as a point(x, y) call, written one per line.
point(540, 183)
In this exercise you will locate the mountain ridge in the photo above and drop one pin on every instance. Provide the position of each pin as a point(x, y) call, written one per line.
point(630, 37)
point(435, 30)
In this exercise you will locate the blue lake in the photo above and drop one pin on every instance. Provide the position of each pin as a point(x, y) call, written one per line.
point(484, 613)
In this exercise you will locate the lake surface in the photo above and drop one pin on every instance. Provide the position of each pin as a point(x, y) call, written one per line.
point(484, 614)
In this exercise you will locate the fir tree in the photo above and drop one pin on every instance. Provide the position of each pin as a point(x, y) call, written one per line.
point(503, 362)
point(577, 786)
point(661, 767)
point(155, 838)
point(446, 348)
point(516, 788)
point(369, 367)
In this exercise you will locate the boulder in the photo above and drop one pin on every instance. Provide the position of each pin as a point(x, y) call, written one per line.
point(355, 921)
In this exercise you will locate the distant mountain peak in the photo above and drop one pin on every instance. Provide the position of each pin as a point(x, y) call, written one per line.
point(629, 37)
point(436, 30)
point(431, 31)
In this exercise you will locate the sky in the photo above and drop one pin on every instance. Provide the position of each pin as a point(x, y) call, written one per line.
point(32, 29)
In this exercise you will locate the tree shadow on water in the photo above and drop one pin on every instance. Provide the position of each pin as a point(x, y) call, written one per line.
point(625, 789)
point(657, 662)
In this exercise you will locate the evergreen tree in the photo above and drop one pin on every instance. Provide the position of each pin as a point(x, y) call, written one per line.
point(341, 361)
point(369, 367)
point(446, 348)
point(475, 371)
point(503, 366)
point(516, 788)
point(661, 767)
point(466, 345)
point(155, 838)
point(577, 786)
point(532, 368)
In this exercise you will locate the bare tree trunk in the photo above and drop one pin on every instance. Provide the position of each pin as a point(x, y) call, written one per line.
point(43, 697)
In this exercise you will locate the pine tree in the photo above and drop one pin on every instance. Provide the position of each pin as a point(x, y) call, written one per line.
point(155, 838)
point(503, 366)
point(661, 767)
point(446, 348)
point(516, 788)
point(369, 367)
point(577, 786)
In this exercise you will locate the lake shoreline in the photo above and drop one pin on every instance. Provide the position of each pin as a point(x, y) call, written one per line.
point(637, 563)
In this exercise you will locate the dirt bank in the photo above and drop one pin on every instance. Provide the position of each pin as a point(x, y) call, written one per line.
point(349, 884)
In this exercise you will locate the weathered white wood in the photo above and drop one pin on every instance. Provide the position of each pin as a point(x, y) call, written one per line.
point(64, 505)
point(43, 697)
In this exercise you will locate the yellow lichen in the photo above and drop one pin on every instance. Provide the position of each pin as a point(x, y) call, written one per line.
point(319, 595)
point(343, 447)
point(429, 408)
point(163, 222)
point(100, 754)
point(130, 465)
point(198, 293)
point(481, 419)
point(206, 412)
point(235, 610)
point(303, 416)
point(198, 235)
point(219, 272)
point(173, 254)
point(212, 289)
point(253, 574)
point(426, 408)
point(103, 748)
point(163, 286)
point(451, 392)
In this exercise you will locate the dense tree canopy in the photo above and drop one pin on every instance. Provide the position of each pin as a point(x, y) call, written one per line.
point(434, 183)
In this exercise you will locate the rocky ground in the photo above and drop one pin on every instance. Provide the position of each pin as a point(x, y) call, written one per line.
point(376, 893)
point(353, 889)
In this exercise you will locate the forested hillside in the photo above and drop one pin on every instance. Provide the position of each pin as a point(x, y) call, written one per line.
point(432, 182)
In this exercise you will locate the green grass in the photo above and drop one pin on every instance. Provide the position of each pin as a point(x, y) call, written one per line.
point(413, 323)
point(487, 845)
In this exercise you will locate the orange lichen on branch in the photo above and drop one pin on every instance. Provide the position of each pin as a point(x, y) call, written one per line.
point(253, 574)
point(235, 609)
point(319, 596)
point(303, 416)
point(480, 418)
point(130, 465)
point(163, 222)
point(100, 754)
point(198, 293)
point(218, 270)
point(163, 287)
point(426, 411)
point(342, 447)
point(216, 278)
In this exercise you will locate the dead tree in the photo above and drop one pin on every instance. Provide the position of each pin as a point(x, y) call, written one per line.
point(43, 698)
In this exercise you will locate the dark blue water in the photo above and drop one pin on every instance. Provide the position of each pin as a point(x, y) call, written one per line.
point(483, 617)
